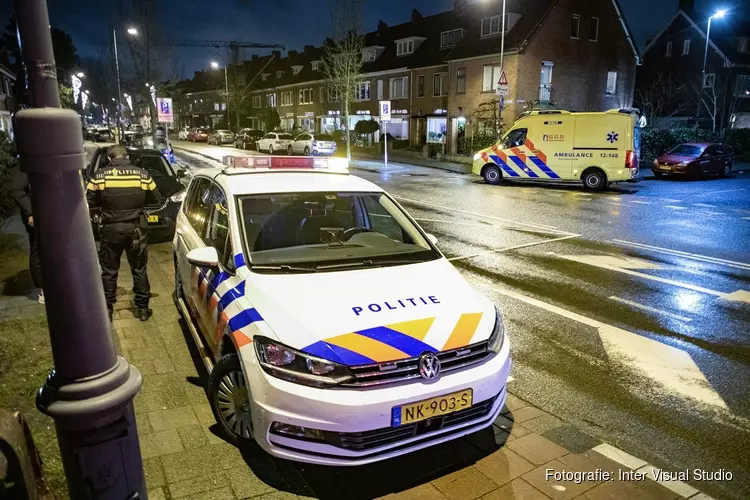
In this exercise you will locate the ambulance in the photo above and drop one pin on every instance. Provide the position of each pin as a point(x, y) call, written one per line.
point(596, 149)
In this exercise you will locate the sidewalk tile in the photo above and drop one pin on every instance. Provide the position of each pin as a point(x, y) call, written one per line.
point(172, 418)
point(503, 422)
point(221, 494)
point(191, 463)
point(542, 423)
point(245, 483)
point(517, 431)
point(536, 449)
point(425, 491)
point(192, 436)
point(464, 484)
point(163, 391)
point(211, 436)
point(571, 438)
point(562, 490)
point(156, 494)
point(503, 466)
point(196, 485)
point(518, 489)
point(624, 490)
point(589, 461)
point(512, 403)
point(161, 443)
point(278, 495)
point(154, 473)
point(521, 415)
point(203, 413)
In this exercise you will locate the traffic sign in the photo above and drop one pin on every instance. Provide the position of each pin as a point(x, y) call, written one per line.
point(501, 90)
point(164, 109)
point(385, 110)
point(503, 79)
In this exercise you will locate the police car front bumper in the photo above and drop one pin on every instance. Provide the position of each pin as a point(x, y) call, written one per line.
point(363, 415)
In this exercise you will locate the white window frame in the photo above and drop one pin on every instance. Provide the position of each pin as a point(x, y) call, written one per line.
point(686, 47)
point(709, 80)
point(458, 78)
point(404, 87)
point(315, 65)
point(296, 69)
point(362, 92)
point(305, 96)
point(380, 89)
point(441, 77)
point(611, 88)
point(416, 90)
point(369, 54)
point(405, 47)
point(257, 101)
point(668, 51)
point(264, 76)
point(446, 35)
point(596, 34)
point(577, 18)
point(494, 77)
point(494, 25)
point(333, 94)
point(271, 100)
point(286, 98)
point(279, 73)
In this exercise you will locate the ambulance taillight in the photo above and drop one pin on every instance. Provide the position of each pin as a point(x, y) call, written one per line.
point(631, 160)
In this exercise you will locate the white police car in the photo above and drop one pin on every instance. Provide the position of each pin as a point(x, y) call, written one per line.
point(334, 330)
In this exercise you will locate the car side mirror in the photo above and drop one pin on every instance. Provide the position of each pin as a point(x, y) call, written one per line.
point(204, 257)
point(433, 239)
point(181, 173)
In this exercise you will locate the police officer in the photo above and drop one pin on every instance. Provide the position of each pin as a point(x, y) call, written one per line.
point(20, 191)
point(121, 190)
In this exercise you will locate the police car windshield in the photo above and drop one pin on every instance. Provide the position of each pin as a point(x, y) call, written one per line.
point(323, 230)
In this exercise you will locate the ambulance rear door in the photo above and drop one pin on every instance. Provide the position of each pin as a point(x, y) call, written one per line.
point(600, 140)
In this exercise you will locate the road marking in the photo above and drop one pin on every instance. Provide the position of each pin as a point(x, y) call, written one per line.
point(614, 203)
point(695, 256)
point(704, 205)
point(454, 222)
point(668, 365)
point(618, 261)
point(651, 309)
point(670, 200)
point(674, 207)
point(725, 191)
point(746, 218)
point(706, 212)
point(553, 194)
point(619, 456)
point(681, 488)
point(738, 296)
point(477, 214)
point(515, 247)
point(640, 202)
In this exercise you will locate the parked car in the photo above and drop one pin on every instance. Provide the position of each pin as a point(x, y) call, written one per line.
point(221, 137)
point(171, 183)
point(277, 142)
point(183, 133)
point(247, 138)
point(315, 144)
point(199, 134)
point(696, 159)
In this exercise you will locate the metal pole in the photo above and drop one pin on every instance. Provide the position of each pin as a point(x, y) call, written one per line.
point(89, 394)
point(703, 74)
point(385, 143)
point(226, 94)
point(119, 89)
point(502, 40)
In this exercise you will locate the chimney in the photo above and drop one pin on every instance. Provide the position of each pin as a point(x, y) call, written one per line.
point(291, 53)
point(416, 15)
point(309, 49)
point(382, 26)
point(276, 54)
point(687, 6)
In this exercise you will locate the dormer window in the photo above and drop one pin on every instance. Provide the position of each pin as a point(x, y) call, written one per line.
point(296, 69)
point(493, 25)
point(744, 46)
point(315, 65)
point(450, 38)
point(404, 47)
point(279, 74)
point(265, 76)
point(368, 54)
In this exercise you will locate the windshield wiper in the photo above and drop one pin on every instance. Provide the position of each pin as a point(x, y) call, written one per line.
point(367, 263)
point(282, 267)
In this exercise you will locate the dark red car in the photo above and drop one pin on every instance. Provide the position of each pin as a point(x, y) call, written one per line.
point(696, 159)
point(199, 134)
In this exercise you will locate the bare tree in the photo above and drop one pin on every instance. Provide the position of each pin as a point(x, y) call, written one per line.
point(710, 101)
point(241, 90)
point(342, 55)
point(663, 97)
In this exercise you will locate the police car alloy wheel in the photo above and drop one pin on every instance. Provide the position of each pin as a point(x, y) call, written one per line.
point(230, 400)
point(492, 175)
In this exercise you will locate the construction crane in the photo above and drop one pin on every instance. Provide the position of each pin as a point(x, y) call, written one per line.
point(234, 46)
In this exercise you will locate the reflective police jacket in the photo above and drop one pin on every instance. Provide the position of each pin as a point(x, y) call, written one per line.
point(121, 190)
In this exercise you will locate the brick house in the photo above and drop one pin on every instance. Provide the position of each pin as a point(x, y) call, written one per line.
point(673, 61)
point(7, 101)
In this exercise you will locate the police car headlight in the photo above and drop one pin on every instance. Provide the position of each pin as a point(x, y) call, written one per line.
point(477, 156)
point(295, 366)
point(498, 334)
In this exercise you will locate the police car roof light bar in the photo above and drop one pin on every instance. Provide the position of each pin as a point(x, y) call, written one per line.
point(260, 164)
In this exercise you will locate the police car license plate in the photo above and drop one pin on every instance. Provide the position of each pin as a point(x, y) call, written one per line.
point(430, 408)
point(153, 218)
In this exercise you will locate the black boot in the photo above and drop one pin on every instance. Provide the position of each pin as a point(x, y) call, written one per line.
point(143, 313)
point(110, 312)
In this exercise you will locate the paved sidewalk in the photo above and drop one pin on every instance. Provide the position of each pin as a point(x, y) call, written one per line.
point(184, 457)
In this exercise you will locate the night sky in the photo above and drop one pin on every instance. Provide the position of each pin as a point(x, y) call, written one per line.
point(293, 23)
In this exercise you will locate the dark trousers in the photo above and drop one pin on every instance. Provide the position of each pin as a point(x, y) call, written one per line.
point(35, 266)
point(116, 238)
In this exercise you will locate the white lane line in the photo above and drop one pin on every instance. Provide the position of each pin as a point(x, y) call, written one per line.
point(674, 207)
point(746, 218)
point(619, 456)
point(706, 212)
point(640, 202)
point(695, 256)
point(675, 485)
point(515, 247)
point(477, 214)
point(704, 205)
point(651, 309)
point(479, 224)
point(671, 200)
point(665, 364)
point(725, 191)
point(614, 203)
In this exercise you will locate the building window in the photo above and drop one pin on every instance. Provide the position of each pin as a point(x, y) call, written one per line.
point(686, 47)
point(460, 80)
point(575, 26)
point(450, 38)
point(368, 54)
point(286, 98)
point(305, 96)
point(743, 46)
point(594, 30)
point(333, 94)
point(223, 106)
point(271, 100)
point(380, 89)
point(493, 25)
point(709, 79)
point(279, 73)
point(399, 88)
point(316, 65)
point(216, 106)
point(439, 84)
point(668, 53)
point(420, 85)
point(296, 69)
point(490, 78)
point(256, 101)
point(264, 76)
point(362, 91)
point(742, 86)
point(611, 82)
point(404, 48)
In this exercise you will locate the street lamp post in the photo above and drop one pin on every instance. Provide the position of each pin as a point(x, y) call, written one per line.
point(215, 65)
point(131, 31)
point(718, 15)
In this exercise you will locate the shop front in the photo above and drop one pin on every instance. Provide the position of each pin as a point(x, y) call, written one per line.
point(287, 122)
point(306, 123)
point(330, 122)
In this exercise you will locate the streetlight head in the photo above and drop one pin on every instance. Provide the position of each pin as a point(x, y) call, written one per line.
point(132, 31)
point(125, 94)
point(86, 92)
point(720, 13)
point(214, 64)
point(80, 74)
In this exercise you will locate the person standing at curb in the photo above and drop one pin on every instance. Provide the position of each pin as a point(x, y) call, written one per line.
point(20, 191)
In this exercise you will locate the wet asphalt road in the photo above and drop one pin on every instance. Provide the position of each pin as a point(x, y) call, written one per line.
point(625, 309)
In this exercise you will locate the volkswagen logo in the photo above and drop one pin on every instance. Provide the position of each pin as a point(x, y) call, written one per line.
point(429, 365)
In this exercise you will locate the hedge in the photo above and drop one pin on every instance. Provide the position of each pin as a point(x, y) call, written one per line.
point(7, 158)
point(654, 142)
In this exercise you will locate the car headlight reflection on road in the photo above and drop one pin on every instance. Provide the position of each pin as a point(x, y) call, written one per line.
point(498, 334)
point(289, 364)
point(177, 198)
